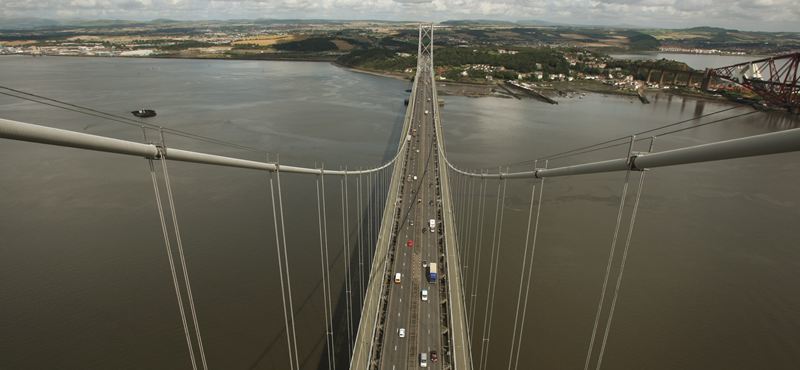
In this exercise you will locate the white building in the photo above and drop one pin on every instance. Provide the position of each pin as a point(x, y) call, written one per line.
point(137, 53)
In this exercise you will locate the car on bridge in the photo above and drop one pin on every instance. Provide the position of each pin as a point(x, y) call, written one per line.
point(401, 332)
point(434, 356)
point(424, 295)
point(410, 243)
point(397, 277)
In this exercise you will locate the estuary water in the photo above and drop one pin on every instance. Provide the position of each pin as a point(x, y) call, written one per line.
point(695, 61)
point(710, 282)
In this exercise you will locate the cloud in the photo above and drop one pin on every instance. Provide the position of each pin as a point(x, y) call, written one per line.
point(771, 15)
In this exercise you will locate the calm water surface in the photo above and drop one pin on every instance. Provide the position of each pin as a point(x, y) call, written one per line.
point(696, 61)
point(710, 282)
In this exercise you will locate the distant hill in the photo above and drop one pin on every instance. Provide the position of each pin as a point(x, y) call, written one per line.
point(476, 22)
point(291, 21)
point(640, 41)
point(537, 22)
point(709, 29)
point(26, 23)
point(42, 23)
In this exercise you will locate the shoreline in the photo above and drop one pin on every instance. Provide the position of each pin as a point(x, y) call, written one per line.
point(396, 76)
point(446, 87)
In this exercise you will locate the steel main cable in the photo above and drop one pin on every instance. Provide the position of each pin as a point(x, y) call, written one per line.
point(583, 149)
point(145, 125)
point(122, 119)
point(662, 134)
point(624, 143)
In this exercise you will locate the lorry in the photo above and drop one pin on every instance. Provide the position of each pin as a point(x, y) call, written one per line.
point(432, 224)
point(432, 272)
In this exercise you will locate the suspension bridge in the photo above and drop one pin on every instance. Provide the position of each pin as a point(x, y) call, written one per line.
point(412, 297)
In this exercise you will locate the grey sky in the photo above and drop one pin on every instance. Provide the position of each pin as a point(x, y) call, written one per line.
point(766, 15)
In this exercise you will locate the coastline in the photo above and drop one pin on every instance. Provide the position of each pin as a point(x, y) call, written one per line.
point(447, 87)
point(396, 76)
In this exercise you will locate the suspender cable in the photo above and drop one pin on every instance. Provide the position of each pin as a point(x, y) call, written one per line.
point(610, 261)
point(459, 237)
point(477, 255)
point(496, 246)
point(324, 275)
point(455, 185)
point(346, 251)
point(467, 249)
point(368, 210)
point(371, 218)
point(463, 193)
point(182, 258)
point(622, 264)
point(491, 271)
point(286, 267)
point(167, 244)
point(518, 343)
point(530, 271)
point(522, 274)
point(468, 231)
point(289, 345)
point(462, 227)
point(360, 242)
point(328, 267)
point(386, 184)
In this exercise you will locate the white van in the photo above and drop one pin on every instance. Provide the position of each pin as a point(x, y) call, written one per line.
point(423, 359)
point(397, 277)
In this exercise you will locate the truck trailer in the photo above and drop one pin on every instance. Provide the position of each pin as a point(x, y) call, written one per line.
point(432, 272)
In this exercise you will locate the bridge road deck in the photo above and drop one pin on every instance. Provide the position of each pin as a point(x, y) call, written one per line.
point(379, 272)
point(439, 323)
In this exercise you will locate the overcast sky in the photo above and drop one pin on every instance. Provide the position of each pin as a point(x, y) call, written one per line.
point(766, 15)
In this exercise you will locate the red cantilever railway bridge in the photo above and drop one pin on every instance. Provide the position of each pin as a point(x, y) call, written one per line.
point(775, 78)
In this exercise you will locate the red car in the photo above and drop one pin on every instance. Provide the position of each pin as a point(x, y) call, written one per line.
point(410, 243)
point(434, 356)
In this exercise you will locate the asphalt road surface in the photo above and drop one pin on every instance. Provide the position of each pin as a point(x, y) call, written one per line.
point(405, 308)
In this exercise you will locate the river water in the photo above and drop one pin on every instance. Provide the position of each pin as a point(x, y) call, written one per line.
point(696, 61)
point(710, 282)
